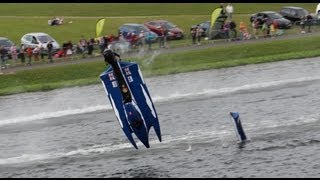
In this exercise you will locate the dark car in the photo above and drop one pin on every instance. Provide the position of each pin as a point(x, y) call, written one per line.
point(136, 29)
point(205, 25)
point(293, 13)
point(282, 22)
point(7, 43)
point(173, 31)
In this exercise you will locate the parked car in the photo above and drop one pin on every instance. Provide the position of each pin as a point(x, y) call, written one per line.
point(205, 25)
point(173, 31)
point(283, 23)
point(38, 39)
point(215, 34)
point(293, 13)
point(7, 43)
point(317, 15)
point(136, 28)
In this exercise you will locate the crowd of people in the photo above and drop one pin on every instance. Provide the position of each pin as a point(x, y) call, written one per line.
point(261, 27)
point(230, 31)
point(84, 47)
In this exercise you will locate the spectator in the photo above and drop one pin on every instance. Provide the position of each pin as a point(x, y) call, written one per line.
point(60, 53)
point(229, 11)
point(50, 53)
point(129, 38)
point(64, 48)
point(29, 54)
point(83, 43)
point(223, 8)
point(255, 27)
point(226, 31)
point(165, 37)
point(302, 24)
point(80, 48)
point(194, 34)
point(3, 54)
point(265, 28)
point(14, 53)
point(199, 32)
point(121, 37)
point(36, 52)
point(242, 26)
point(106, 41)
point(272, 30)
point(149, 40)
point(21, 53)
point(42, 52)
point(90, 46)
point(141, 40)
point(244, 34)
point(134, 40)
point(69, 48)
point(279, 32)
point(309, 22)
point(101, 44)
point(113, 37)
point(161, 37)
point(269, 22)
point(233, 30)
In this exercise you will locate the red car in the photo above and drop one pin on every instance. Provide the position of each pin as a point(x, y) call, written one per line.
point(173, 31)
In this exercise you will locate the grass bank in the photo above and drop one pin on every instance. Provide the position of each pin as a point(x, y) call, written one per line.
point(215, 57)
point(134, 9)
point(17, 19)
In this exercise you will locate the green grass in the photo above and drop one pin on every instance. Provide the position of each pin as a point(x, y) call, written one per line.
point(17, 19)
point(134, 9)
point(216, 57)
point(234, 55)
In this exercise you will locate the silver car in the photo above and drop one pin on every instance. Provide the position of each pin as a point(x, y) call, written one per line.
point(38, 39)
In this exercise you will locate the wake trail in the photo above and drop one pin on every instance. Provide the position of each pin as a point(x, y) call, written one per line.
point(157, 99)
point(204, 135)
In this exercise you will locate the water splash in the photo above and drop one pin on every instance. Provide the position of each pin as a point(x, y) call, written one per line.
point(150, 60)
point(189, 147)
point(46, 115)
point(120, 47)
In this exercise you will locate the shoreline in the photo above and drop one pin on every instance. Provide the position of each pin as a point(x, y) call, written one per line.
point(207, 44)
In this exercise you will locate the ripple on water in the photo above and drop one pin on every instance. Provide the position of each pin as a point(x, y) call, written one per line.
point(146, 171)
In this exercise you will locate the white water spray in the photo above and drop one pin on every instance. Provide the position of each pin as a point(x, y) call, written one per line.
point(150, 60)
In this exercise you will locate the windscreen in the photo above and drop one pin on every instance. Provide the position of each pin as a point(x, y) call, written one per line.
point(169, 25)
point(44, 39)
point(5, 42)
point(275, 16)
point(139, 28)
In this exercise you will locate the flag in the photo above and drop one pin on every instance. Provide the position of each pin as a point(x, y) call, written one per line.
point(215, 15)
point(218, 19)
point(99, 26)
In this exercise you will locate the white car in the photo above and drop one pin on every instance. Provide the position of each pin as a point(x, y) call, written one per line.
point(318, 10)
point(38, 39)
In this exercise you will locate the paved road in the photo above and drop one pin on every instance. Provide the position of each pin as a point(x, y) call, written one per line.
point(216, 43)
